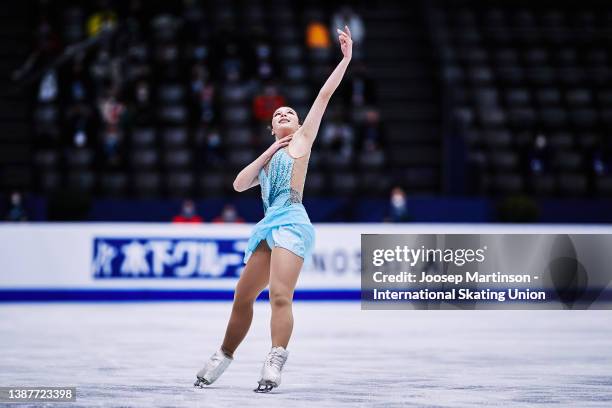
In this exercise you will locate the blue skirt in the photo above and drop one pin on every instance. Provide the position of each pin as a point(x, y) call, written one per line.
point(287, 227)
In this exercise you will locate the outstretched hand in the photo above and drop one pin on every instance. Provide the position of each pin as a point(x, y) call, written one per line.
point(346, 42)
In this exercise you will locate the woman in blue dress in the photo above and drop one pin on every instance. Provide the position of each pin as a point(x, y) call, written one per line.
point(283, 239)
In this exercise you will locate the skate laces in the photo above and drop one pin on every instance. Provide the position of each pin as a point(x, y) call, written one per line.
point(275, 359)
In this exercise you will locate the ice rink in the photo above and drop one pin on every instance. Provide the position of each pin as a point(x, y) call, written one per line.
point(147, 354)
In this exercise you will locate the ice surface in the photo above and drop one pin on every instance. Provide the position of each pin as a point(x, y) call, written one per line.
point(147, 354)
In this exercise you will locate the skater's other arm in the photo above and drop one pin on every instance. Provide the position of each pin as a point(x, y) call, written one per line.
point(249, 176)
point(308, 132)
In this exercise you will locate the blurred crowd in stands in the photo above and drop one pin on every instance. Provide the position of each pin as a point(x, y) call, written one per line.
point(528, 89)
point(170, 99)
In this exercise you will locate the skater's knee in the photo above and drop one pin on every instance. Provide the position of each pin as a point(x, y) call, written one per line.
point(244, 302)
point(280, 299)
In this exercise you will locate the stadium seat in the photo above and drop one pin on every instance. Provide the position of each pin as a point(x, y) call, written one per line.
point(344, 183)
point(239, 136)
point(179, 184)
point(113, 184)
point(543, 184)
point(144, 158)
point(508, 183)
point(497, 138)
point(175, 137)
point(518, 97)
point(79, 157)
point(561, 139)
point(236, 114)
point(171, 93)
point(146, 184)
point(82, 180)
point(567, 160)
point(212, 183)
point(242, 157)
point(143, 137)
point(572, 184)
point(46, 159)
point(177, 158)
point(50, 180)
point(604, 186)
point(315, 183)
point(504, 159)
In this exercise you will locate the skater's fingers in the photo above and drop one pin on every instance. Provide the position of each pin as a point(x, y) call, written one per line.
point(348, 31)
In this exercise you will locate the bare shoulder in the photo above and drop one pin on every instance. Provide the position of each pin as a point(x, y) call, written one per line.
point(300, 145)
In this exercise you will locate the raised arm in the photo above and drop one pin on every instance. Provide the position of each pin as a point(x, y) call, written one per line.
point(249, 176)
point(305, 137)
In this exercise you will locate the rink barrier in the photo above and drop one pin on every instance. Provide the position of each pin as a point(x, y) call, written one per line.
point(154, 261)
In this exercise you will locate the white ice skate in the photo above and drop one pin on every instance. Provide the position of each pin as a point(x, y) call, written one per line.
point(213, 369)
point(271, 370)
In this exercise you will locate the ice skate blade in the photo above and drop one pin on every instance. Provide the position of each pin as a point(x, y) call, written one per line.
point(265, 387)
point(201, 382)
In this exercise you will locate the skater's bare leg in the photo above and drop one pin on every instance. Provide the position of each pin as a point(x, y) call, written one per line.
point(285, 269)
point(253, 280)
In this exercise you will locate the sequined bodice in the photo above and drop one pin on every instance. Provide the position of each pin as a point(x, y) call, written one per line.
point(282, 180)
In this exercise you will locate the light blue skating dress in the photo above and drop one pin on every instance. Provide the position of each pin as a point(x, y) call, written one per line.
point(286, 223)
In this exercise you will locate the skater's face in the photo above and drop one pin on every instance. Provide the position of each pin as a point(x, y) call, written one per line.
point(285, 121)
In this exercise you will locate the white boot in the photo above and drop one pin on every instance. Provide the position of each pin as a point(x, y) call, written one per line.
point(271, 370)
point(213, 369)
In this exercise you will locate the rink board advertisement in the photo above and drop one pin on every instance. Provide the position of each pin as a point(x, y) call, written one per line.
point(158, 261)
point(486, 271)
point(118, 261)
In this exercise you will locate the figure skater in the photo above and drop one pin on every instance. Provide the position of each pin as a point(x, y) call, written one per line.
point(283, 238)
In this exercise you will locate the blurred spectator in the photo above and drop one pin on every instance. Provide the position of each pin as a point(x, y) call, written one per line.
point(338, 137)
point(79, 88)
point(193, 18)
point(208, 104)
point(599, 165)
point(81, 121)
point(101, 68)
point(16, 211)
point(372, 132)
point(188, 214)
point(203, 95)
point(112, 111)
point(142, 112)
point(265, 64)
point(398, 209)
point(199, 78)
point(317, 35)
point(232, 63)
point(165, 27)
point(45, 50)
point(213, 151)
point(360, 91)
point(175, 66)
point(228, 215)
point(48, 87)
point(539, 155)
point(100, 20)
point(267, 102)
point(347, 16)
